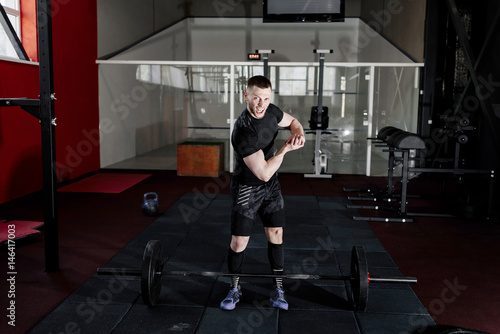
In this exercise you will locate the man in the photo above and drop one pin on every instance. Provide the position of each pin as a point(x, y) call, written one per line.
point(255, 189)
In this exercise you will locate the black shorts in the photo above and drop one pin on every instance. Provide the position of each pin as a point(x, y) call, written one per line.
point(265, 200)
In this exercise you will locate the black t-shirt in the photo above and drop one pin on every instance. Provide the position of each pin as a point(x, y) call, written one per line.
point(251, 135)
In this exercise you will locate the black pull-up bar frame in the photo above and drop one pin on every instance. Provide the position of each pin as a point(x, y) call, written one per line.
point(45, 106)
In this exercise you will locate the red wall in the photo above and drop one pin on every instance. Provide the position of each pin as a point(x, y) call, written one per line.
point(74, 29)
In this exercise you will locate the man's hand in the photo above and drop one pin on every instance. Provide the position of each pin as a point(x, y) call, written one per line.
point(295, 142)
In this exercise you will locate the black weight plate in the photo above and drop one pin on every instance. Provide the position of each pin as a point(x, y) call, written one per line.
point(359, 275)
point(152, 267)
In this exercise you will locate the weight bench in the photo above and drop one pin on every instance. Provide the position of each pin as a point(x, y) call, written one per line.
point(403, 142)
point(395, 141)
point(399, 143)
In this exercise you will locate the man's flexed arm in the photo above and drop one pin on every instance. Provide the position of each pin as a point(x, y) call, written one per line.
point(296, 129)
point(263, 169)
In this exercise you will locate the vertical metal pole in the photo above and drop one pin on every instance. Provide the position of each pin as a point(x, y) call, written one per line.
point(390, 172)
point(320, 88)
point(265, 57)
point(432, 26)
point(317, 164)
point(232, 96)
point(404, 182)
point(266, 64)
point(489, 211)
point(317, 151)
point(47, 122)
point(371, 94)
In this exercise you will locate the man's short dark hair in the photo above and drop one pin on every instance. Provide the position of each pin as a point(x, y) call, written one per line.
point(259, 81)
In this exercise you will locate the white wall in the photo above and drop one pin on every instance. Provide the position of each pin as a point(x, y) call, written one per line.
point(230, 39)
point(122, 23)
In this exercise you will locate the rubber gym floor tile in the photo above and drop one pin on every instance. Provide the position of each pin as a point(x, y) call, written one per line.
point(318, 322)
point(200, 248)
point(370, 244)
point(291, 228)
point(337, 206)
point(160, 319)
point(308, 258)
point(169, 243)
point(82, 318)
point(306, 295)
point(186, 209)
point(343, 257)
point(309, 201)
point(351, 231)
point(101, 291)
point(380, 259)
point(161, 233)
point(333, 213)
point(184, 214)
point(291, 219)
point(218, 230)
point(218, 211)
point(262, 320)
point(377, 323)
point(302, 208)
point(166, 225)
point(214, 216)
point(130, 256)
point(308, 241)
point(394, 301)
point(184, 291)
point(221, 200)
point(346, 222)
point(339, 199)
point(210, 254)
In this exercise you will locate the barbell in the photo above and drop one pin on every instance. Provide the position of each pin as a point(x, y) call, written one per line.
point(151, 274)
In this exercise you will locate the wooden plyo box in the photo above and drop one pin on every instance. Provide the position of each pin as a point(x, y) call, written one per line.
point(200, 158)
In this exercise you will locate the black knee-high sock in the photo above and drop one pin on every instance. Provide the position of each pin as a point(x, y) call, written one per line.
point(235, 264)
point(276, 259)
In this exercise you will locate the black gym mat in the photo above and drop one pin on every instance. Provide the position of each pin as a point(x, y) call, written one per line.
point(194, 234)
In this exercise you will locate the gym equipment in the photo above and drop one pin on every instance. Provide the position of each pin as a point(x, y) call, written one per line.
point(151, 274)
point(320, 159)
point(403, 143)
point(43, 109)
point(150, 204)
point(265, 57)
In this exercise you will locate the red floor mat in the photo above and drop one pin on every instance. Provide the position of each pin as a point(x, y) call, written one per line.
point(16, 229)
point(105, 183)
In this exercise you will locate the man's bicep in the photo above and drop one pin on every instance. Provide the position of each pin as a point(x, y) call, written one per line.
point(255, 162)
point(286, 120)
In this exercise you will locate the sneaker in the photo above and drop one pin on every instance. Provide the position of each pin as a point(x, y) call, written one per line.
point(233, 297)
point(278, 299)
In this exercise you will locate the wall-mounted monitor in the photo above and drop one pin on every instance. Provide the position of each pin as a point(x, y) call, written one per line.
point(304, 10)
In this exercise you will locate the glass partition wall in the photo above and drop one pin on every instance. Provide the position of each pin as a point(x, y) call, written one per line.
point(147, 108)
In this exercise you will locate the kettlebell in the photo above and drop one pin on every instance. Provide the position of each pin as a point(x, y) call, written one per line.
point(150, 204)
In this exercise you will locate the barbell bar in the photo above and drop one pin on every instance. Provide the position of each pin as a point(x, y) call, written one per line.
point(151, 274)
